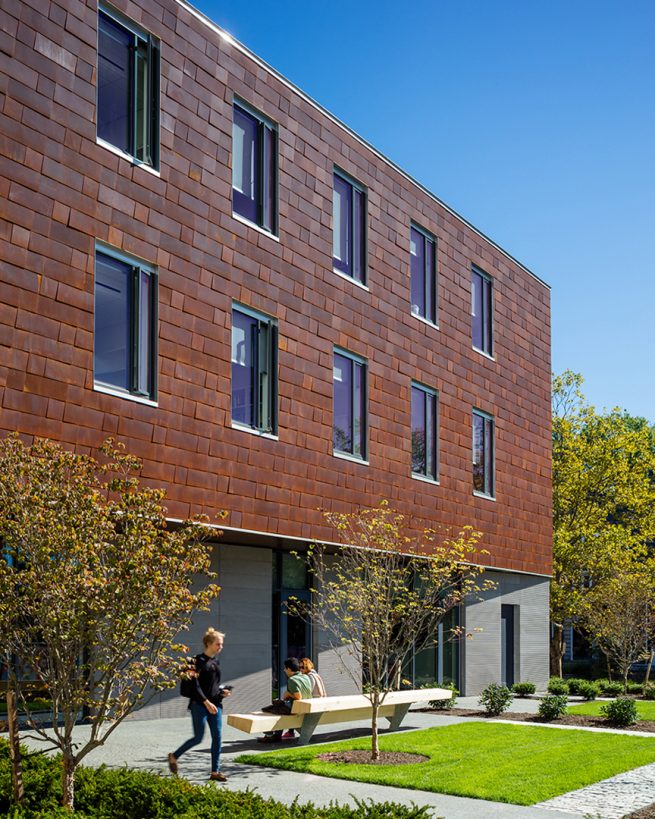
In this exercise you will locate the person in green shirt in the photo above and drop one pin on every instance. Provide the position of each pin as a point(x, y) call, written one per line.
point(299, 687)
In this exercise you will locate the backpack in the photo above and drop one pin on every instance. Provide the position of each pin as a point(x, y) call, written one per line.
point(187, 687)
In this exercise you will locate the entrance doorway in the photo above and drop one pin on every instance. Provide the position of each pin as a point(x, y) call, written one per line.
point(507, 645)
point(292, 633)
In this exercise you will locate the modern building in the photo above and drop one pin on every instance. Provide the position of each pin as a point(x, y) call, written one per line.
point(199, 259)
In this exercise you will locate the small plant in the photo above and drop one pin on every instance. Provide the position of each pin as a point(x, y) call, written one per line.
point(610, 689)
point(574, 684)
point(622, 711)
point(649, 691)
point(552, 706)
point(523, 689)
point(635, 687)
point(558, 686)
point(495, 699)
point(588, 690)
point(445, 705)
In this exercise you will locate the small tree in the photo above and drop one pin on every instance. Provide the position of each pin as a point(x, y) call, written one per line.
point(94, 588)
point(383, 595)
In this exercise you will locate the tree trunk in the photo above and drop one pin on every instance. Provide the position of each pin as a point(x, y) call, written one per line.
point(650, 662)
point(609, 667)
point(375, 748)
point(557, 648)
point(68, 779)
point(17, 788)
point(626, 671)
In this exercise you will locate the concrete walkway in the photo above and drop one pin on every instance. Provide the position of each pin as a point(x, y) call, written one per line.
point(145, 744)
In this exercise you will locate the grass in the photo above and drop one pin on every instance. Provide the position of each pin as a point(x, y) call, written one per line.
point(520, 764)
point(645, 709)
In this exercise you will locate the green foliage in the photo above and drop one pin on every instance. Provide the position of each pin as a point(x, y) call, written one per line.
point(444, 705)
point(635, 687)
point(622, 711)
point(609, 688)
point(556, 685)
point(588, 689)
point(552, 706)
point(496, 699)
point(116, 794)
point(649, 691)
point(523, 689)
point(574, 684)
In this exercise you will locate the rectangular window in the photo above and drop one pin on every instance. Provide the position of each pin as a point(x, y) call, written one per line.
point(481, 311)
point(125, 329)
point(349, 228)
point(424, 431)
point(254, 370)
point(483, 453)
point(128, 87)
point(349, 430)
point(254, 168)
point(422, 249)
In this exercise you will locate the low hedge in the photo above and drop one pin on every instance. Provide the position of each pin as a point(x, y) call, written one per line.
point(104, 793)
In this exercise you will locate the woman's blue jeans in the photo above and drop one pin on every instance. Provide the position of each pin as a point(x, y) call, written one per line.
point(200, 715)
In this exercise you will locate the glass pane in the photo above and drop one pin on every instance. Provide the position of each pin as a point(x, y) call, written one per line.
point(418, 431)
point(341, 224)
point(359, 398)
point(294, 572)
point(114, 45)
point(146, 334)
point(417, 262)
point(141, 103)
point(270, 158)
point(112, 321)
point(487, 315)
point(343, 411)
point(425, 667)
point(488, 456)
point(243, 393)
point(476, 309)
point(430, 435)
point(244, 164)
point(478, 453)
point(359, 216)
point(430, 282)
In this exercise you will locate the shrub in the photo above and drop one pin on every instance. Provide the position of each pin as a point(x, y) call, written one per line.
point(574, 684)
point(610, 689)
point(588, 690)
point(523, 689)
point(495, 699)
point(635, 687)
point(552, 706)
point(445, 705)
point(649, 691)
point(558, 686)
point(622, 711)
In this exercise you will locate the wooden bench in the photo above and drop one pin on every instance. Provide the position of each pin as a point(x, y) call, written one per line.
point(306, 715)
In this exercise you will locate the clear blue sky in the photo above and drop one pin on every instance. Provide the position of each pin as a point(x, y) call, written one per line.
point(535, 121)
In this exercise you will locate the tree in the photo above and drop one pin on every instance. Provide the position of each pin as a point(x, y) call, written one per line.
point(94, 588)
point(383, 595)
point(619, 614)
point(603, 499)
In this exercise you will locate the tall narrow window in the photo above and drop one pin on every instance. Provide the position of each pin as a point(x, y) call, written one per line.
point(349, 377)
point(481, 311)
point(423, 274)
point(125, 324)
point(349, 228)
point(254, 168)
point(483, 453)
point(424, 432)
point(254, 370)
point(128, 87)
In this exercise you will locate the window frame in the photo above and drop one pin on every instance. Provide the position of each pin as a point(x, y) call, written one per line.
point(487, 307)
point(269, 324)
point(433, 393)
point(347, 269)
point(153, 102)
point(138, 266)
point(363, 363)
point(264, 125)
point(428, 238)
point(489, 480)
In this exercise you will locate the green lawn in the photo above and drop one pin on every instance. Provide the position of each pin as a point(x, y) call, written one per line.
point(645, 709)
point(521, 764)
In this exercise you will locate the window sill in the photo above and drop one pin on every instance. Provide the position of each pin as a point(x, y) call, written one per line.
point(482, 352)
point(252, 431)
point(255, 226)
point(425, 479)
point(131, 159)
point(345, 456)
point(118, 393)
point(484, 495)
point(350, 279)
point(424, 320)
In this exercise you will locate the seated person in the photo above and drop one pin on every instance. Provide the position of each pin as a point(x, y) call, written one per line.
point(318, 687)
point(299, 687)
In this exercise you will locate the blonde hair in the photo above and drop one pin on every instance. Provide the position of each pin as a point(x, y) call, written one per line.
point(306, 661)
point(210, 636)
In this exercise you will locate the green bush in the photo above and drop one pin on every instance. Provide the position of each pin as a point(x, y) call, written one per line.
point(523, 689)
point(558, 686)
point(649, 691)
point(635, 687)
point(622, 711)
point(495, 699)
point(588, 690)
point(445, 705)
point(116, 794)
point(610, 689)
point(552, 706)
point(574, 684)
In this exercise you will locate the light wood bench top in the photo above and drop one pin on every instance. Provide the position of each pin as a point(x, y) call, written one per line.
point(348, 702)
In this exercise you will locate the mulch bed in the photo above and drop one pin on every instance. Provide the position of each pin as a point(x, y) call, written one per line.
point(364, 758)
point(645, 813)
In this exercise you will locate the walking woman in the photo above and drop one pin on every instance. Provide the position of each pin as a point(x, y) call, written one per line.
point(206, 704)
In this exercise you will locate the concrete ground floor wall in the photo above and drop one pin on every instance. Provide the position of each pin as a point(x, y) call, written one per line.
point(244, 611)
